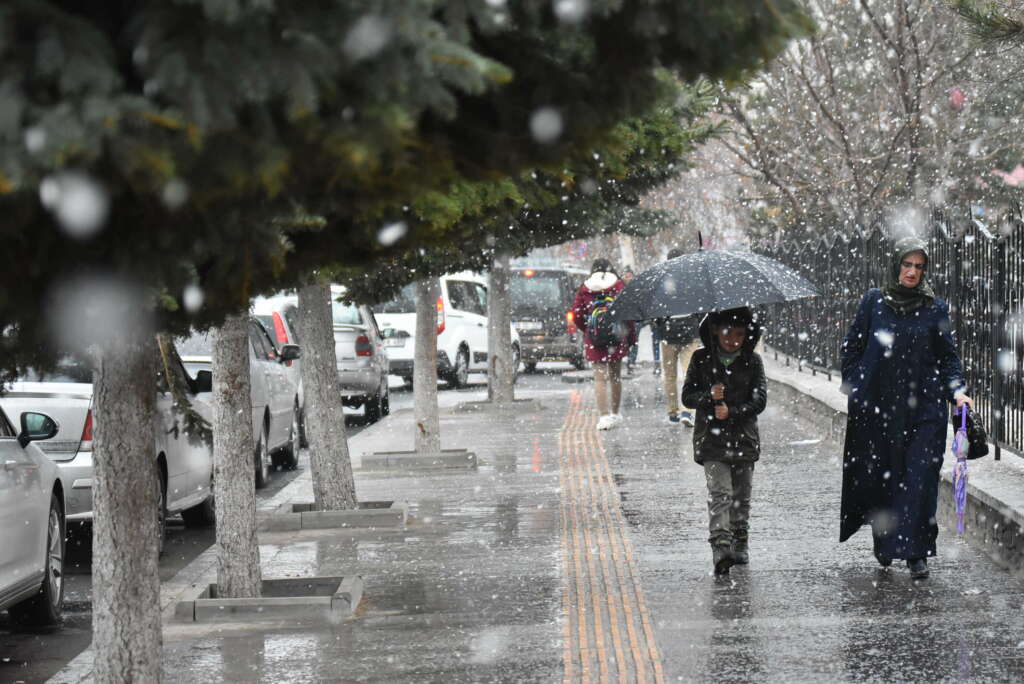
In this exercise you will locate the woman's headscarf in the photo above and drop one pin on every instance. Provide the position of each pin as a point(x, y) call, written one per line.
point(901, 298)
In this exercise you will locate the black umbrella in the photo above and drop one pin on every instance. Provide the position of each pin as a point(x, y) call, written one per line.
point(709, 280)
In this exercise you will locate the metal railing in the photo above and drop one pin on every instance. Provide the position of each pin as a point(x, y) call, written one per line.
point(977, 269)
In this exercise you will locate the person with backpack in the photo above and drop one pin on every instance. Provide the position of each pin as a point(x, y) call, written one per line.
point(605, 342)
point(678, 335)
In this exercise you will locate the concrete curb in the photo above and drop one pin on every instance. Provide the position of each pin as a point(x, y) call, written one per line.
point(994, 515)
point(322, 599)
point(515, 406)
point(301, 516)
point(578, 376)
point(410, 460)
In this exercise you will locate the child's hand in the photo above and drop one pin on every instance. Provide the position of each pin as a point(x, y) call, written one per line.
point(721, 411)
point(718, 391)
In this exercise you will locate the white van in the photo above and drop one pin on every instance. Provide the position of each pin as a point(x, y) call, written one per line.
point(461, 329)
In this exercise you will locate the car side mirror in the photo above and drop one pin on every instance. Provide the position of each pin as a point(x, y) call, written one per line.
point(204, 381)
point(36, 426)
point(290, 352)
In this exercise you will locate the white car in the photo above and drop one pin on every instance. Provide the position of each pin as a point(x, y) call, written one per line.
point(461, 329)
point(66, 394)
point(279, 315)
point(32, 520)
point(273, 395)
point(358, 346)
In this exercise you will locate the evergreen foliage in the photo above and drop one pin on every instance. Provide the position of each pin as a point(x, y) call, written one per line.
point(232, 145)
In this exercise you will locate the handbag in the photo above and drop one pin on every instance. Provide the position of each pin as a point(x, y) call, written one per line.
point(977, 438)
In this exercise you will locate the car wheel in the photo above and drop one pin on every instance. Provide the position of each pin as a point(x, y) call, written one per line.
point(45, 607)
point(460, 374)
point(385, 406)
point(203, 515)
point(262, 460)
point(161, 513)
point(303, 442)
point(289, 456)
point(375, 405)
point(530, 366)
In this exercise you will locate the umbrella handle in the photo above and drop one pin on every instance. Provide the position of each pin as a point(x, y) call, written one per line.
point(963, 417)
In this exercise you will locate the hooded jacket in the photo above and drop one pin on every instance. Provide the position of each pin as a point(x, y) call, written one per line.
point(598, 285)
point(735, 439)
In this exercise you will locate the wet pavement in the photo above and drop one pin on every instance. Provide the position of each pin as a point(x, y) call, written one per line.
point(574, 555)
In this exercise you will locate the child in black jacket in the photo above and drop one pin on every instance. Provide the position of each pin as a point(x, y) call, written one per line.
point(725, 384)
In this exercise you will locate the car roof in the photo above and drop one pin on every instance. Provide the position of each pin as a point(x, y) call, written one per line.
point(561, 269)
point(264, 306)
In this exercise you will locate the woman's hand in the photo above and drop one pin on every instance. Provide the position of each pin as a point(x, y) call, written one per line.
point(718, 391)
point(721, 411)
point(962, 399)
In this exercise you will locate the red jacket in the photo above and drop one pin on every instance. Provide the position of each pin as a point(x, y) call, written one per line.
point(600, 285)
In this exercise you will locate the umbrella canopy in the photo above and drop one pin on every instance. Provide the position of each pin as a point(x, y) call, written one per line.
point(709, 280)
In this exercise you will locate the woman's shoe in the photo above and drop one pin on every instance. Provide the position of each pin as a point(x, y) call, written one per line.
point(883, 560)
point(605, 422)
point(723, 559)
point(918, 568)
point(616, 419)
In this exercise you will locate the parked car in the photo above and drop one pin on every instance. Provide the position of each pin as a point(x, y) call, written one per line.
point(363, 365)
point(66, 394)
point(461, 329)
point(273, 395)
point(32, 519)
point(542, 298)
point(279, 315)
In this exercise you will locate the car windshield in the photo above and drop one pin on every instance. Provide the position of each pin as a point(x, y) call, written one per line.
point(199, 344)
point(405, 302)
point(345, 313)
point(68, 369)
point(537, 292)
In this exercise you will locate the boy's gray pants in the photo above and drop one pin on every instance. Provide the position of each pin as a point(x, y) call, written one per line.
point(728, 500)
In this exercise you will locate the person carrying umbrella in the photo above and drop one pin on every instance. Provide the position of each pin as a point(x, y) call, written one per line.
point(725, 385)
point(899, 367)
point(677, 335)
point(605, 342)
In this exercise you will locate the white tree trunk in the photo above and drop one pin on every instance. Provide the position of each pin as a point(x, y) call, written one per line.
point(428, 424)
point(127, 638)
point(500, 372)
point(238, 552)
point(333, 485)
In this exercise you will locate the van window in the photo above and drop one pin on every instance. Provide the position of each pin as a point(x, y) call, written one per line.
point(405, 302)
point(539, 292)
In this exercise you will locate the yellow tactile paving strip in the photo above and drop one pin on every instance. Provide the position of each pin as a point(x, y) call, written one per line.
point(607, 632)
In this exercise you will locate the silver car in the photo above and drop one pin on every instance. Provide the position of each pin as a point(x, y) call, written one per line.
point(185, 464)
point(273, 394)
point(363, 365)
point(32, 519)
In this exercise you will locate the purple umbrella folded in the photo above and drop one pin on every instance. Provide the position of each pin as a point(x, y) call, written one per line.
point(960, 471)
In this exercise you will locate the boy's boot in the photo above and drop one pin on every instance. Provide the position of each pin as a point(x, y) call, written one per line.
point(722, 557)
point(739, 547)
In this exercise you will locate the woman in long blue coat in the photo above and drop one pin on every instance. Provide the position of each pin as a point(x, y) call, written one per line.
point(900, 370)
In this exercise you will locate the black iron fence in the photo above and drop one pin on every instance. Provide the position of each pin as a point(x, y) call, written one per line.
point(977, 268)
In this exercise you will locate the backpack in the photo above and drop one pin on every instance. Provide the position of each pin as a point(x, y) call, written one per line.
point(604, 332)
point(678, 329)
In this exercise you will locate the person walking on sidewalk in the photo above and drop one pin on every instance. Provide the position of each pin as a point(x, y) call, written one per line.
point(899, 367)
point(605, 343)
point(725, 384)
point(634, 349)
point(678, 336)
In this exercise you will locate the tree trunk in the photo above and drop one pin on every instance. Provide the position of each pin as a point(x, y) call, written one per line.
point(127, 638)
point(500, 371)
point(428, 424)
point(333, 485)
point(238, 552)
